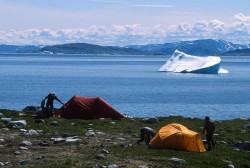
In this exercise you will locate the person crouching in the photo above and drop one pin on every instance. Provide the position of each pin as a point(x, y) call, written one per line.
point(146, 135)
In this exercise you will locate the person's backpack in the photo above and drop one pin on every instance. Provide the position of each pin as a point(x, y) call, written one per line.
point(42, 104)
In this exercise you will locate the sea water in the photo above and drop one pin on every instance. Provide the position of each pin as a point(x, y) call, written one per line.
point(131, 84)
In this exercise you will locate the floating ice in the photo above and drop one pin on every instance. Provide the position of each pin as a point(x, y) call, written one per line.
point(184, 63)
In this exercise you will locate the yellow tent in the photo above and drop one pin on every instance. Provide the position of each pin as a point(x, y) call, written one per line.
point(177, 136)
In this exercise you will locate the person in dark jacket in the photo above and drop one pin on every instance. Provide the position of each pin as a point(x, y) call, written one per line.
point(146, 135)
point(209, 128)
point(50, 102)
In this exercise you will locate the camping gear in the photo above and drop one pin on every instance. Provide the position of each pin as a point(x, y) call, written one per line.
point(87, 108)
point(178, 137)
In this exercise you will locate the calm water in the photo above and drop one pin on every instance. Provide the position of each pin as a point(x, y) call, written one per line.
point(131, 84)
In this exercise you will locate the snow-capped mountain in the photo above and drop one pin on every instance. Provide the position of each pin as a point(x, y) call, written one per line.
point(196, 47)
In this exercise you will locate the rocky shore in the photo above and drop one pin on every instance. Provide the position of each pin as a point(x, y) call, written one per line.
point(57, 142)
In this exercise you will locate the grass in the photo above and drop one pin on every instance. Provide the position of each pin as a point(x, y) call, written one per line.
point(83, 153)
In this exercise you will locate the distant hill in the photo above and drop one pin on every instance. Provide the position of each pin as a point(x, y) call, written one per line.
point(19, 49)
point(83, 48)
point(238, 52)
point(196, 47)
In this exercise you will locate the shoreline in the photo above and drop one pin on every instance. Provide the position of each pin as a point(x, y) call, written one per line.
point(170, 115)
point(104, 142)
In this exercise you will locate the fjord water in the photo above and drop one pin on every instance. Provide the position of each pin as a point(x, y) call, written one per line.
point(131, 84)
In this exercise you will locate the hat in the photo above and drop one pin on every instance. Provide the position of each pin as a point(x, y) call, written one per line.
point(207, 118)
point(53, 93)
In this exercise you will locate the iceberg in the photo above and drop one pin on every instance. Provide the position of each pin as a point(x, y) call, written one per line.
point(184, 63)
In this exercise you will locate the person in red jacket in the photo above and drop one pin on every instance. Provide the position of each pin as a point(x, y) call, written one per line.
point(209, 128)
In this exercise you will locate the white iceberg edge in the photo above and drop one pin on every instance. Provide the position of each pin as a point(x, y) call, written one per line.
point(184, 63)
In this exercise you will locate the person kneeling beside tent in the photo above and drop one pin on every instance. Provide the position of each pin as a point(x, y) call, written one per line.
point(146, 135)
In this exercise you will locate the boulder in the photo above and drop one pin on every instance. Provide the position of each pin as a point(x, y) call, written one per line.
point(19, 123)
point(150, 120)
point(30, 109)
point(5, 120)
point(242, 145)
point(177, 160)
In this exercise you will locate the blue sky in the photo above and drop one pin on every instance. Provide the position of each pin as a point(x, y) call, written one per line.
point(118, 22)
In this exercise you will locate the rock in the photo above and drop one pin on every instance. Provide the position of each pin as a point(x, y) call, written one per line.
point(23, 148)
point(90, 133)
point(7, 163)
point(99, 133)
point(72, 139)
point(9, 145)
point(242, 145)
point(1, 114)
point(177, 160)
point(150, 120)
point(17, 153)
point(121, 139)
point(204, 141)
point(222, 142)
point(39, 121)
point(4, 129)
point(104, 151)
point(23, 130)
point(113, 166)
point(142, 166)
point(39, 157)
point(21, 114)
point(24, 162)
point(2, 164)
point(54, 123)
point(30, 109)
point(65, 135)
point(230, 166)
point(247, 126)
point(43, 143)
point(31, 133)
point(19, 123)
point(58, 140)
point(25, 143)
point(126, 145)
point(5, 120)
point(236, 149)
point(243, 131)
point(100, 156)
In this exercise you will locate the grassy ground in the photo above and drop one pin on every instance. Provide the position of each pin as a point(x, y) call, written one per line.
point(119, 140)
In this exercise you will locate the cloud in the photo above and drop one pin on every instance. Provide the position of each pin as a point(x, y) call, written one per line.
point(154, 6)
point(237, 32)
point(108, 1)
point(242, 18)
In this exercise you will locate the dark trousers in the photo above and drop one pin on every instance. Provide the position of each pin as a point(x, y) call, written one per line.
point(144, 136)
point(210, 141)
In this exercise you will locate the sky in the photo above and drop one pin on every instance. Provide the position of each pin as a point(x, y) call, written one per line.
point(122, 22)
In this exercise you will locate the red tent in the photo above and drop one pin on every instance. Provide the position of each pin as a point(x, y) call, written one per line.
point(88, 108)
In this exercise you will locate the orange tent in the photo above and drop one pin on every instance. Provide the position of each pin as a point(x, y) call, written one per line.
point(177, 136)
point(79, 107)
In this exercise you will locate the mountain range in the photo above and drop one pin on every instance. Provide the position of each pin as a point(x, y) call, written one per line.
point(197, 47)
